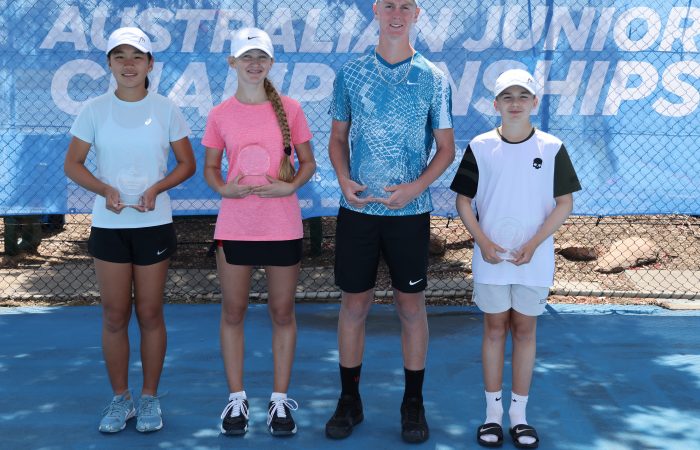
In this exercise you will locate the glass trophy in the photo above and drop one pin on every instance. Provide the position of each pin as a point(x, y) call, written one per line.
point(132, 182)
point(509, 234)
point(376, 179)
point(253, 164)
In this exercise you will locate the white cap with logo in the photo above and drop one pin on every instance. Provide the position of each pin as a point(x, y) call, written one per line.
point(130, 36)
point(251, 39)
point(515, 77)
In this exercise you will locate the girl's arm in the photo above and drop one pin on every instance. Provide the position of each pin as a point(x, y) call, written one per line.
point(74, 167)
point(212, 175)
point(185, 168)
point(279, 188)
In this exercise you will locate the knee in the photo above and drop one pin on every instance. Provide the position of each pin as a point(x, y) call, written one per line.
point(410, 310)
point(232, 316)
point(282, 316)
point(523, 333)
point(355, 308)
point(495, 331)
point(150, 317)
point(115, 321)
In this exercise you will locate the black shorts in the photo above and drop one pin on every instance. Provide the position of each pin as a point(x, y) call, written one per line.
point(262, 253)
point(140, 246)
point(401, 240)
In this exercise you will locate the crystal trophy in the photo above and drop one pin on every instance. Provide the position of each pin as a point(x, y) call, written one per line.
point(376, 179)
point(132, 182)
point(253, 164)
point(509, 234)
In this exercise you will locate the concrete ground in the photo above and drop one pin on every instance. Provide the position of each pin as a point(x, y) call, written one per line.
point(607, 377)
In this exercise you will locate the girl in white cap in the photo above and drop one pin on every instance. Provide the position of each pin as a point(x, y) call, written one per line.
point(259, 223)
point(132, 238)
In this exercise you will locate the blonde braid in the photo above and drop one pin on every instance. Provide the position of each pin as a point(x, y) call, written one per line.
point(287, 171)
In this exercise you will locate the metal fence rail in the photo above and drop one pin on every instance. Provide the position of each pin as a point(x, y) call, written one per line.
point(60, 268)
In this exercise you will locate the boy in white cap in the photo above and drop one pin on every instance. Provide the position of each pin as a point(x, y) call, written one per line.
point(515, 186)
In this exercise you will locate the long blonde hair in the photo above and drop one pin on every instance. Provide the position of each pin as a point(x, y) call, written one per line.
point(287, 171)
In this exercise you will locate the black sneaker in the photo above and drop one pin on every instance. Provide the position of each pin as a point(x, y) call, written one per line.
point(347, 414)
point(279, 417)
point(414, 428)
point(234, 418)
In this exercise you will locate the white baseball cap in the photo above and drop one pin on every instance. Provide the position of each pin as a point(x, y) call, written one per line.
point(131, 36)
point(515, 77)
point(251, 39)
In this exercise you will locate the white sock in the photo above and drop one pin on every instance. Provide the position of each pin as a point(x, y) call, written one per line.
point(278, 396)
point(494, 413)
point(518, 403)
point(237, 395)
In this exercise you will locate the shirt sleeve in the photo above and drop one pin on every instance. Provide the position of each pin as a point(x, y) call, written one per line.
point(441, 106)
point(212, 135)
point(83, 127)
point(178, 125)
point(565, 178)
point(340, 103)
point(466, 179)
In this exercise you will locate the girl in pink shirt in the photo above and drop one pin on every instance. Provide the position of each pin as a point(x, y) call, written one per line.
point(259, 222)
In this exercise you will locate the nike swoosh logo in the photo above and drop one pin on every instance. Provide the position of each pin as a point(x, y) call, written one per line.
point(413, 283)
point(252, 37)
point(160, 252)
point(483, 430)
point(499, 399)
point(519, 430)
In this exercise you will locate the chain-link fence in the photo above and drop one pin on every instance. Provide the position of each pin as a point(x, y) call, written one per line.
point(619, 84)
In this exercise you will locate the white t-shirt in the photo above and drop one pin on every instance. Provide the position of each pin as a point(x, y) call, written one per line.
point(513, 186)
point(132, 142)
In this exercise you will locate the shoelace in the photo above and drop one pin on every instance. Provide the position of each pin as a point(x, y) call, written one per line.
point(237, 406)
point(116, 408)
point(278, 407)
point(148, 405)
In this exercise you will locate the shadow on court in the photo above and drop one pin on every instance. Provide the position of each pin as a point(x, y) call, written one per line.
point(614, 377)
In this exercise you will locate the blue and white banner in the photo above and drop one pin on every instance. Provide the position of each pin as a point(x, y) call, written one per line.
point(620, 85)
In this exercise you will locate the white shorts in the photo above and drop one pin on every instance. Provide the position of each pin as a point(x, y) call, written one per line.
point(495, 298)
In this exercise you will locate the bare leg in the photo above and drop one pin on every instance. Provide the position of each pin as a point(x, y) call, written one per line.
point(282, 284)
point(493, 348)
point(414, 328)
point(114, 281)
point(149, 284)
point(524, 333)
point(235, 287)
point(354, 308)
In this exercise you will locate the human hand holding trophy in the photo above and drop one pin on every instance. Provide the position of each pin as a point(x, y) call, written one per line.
point(132, 182)
point(509, 234)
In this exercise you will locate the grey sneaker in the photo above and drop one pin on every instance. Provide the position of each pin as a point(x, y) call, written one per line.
point(149, 416)
point(115, 415)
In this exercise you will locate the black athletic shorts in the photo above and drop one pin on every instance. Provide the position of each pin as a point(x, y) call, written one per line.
point(401, 240)
point(140, 246)
point(262, 253)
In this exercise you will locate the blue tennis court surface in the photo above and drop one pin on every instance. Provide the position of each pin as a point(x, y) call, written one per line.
point(613, 377)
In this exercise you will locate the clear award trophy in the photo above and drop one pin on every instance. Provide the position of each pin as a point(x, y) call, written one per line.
point(509, 234)
point(132, 182)
point(376, 180)
point(253, 164)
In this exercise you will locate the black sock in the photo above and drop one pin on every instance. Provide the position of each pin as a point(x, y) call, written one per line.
point(414, 384)
point(350, 380)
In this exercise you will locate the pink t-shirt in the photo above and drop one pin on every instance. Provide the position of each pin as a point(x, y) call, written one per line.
point(253, 142)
